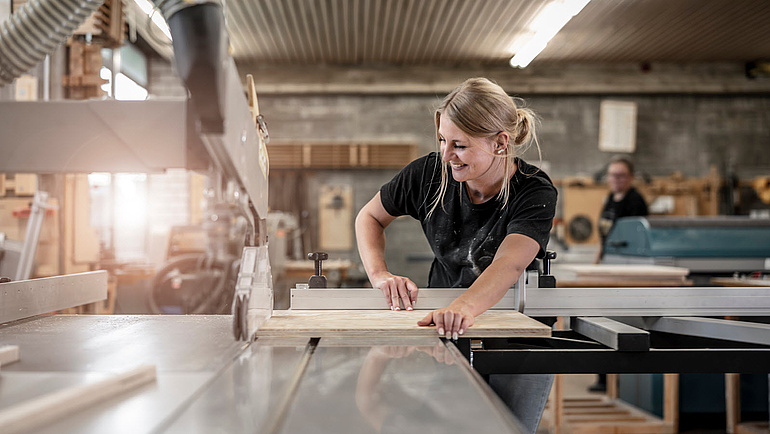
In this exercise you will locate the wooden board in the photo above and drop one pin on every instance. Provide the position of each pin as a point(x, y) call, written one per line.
point(616, 275)
point(647, 272)
point(731, 281)
point(387, 323)
point(622, 283)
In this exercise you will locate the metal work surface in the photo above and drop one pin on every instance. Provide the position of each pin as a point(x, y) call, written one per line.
point(27, 298)
point(740, 331)
point(206, 382)
point(673, 301)
point(69, 350)
point(346, 386)
point(247, 394)
point(369, 298)
point(110, 343)
point(139, 411)
point(400, 388)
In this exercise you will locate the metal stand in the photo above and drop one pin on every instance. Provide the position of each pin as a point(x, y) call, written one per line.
point(36, 217)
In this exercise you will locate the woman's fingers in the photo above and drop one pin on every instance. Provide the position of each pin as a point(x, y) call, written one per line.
point(449, 317)
point(426, 321)
point(398, 291)
point(403, 293)
point(466, 322)
point(438, 319)
point(450, 323)
point(413, 290)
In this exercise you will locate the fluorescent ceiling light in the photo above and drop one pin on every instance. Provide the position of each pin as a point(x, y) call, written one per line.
point(545, 26)
point(155, 15)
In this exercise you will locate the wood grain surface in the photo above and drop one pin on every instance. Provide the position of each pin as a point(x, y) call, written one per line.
point(387, 323)
point(648, 272)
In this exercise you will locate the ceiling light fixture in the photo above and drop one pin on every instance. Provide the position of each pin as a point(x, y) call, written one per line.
point(545, 26)
point(155, 15)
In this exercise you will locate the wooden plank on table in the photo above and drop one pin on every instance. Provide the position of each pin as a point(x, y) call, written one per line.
point(387, 323)
point(647, 272)
point(621, 283)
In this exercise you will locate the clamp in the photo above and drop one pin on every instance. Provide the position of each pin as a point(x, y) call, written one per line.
point(318, 280)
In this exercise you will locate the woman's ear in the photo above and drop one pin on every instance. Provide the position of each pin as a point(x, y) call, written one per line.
point(501, 142)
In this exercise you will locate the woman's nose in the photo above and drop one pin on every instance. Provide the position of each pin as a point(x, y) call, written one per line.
point(446, 155)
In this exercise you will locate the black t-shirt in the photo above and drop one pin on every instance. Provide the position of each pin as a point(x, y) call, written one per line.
point(631, 205)
point(465, 236)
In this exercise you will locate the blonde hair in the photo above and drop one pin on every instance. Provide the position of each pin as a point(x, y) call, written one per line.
point(481, 108)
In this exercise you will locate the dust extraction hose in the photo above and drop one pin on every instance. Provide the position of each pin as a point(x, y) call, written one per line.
point(35, 30)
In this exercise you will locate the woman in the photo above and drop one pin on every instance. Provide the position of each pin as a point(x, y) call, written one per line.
point(485, 212)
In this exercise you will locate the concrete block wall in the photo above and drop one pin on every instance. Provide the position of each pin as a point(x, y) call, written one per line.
point(686, 133)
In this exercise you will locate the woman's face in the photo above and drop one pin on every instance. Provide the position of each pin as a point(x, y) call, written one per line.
point(470, 158)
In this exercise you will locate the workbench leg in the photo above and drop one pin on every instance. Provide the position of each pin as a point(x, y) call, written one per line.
point(612, 386)
point(671, 400)
point(733, 401)
point(558, 403)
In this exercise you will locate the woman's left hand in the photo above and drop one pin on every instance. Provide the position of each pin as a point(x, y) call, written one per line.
point(451, 321)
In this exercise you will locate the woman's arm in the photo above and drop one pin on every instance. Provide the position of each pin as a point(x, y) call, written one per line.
point(513, 256)
point(370, 235)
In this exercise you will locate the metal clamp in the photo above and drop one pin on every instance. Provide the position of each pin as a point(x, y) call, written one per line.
point(318, 280)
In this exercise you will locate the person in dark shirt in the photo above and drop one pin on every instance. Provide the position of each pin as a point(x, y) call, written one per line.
point(485, 212)
point(622, 201)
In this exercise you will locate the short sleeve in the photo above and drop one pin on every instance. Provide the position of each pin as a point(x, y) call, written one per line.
point(532, 214)
point(404, 195)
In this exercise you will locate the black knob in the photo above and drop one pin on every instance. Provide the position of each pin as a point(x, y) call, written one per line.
point(318, 257)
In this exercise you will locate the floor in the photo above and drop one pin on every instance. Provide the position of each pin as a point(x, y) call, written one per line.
point(574, 386)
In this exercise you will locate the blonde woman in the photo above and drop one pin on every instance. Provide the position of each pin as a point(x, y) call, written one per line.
point(485, 212)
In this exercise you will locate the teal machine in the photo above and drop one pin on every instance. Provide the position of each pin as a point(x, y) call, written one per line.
point(707, 246)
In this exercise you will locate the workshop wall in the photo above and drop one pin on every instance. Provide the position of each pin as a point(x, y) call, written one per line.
point(686, 133)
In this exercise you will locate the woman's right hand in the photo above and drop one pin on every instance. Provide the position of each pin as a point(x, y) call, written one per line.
point(396, 289)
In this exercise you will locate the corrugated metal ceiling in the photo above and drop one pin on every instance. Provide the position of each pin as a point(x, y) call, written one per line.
point(417, 32)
